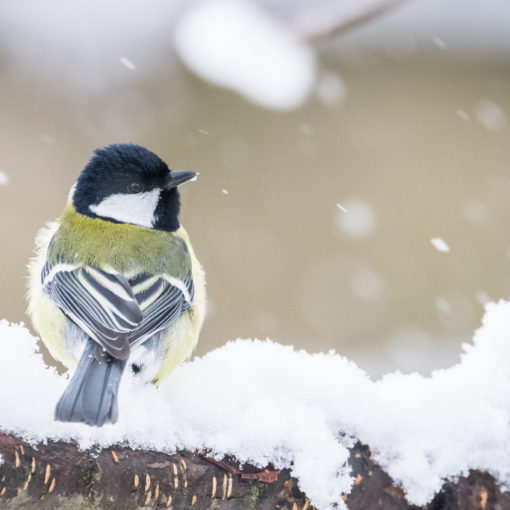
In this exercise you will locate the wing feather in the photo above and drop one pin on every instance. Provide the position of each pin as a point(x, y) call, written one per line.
point(161, 302)
point(102, 303)
point(116, 312)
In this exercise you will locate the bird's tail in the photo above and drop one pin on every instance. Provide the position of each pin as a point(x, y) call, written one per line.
point(91, 395)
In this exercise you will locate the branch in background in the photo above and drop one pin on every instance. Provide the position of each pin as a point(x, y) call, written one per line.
point(311, 22)
point(59, 475)
point(264, 53)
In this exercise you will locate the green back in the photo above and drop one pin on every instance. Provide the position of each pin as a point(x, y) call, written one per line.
point(96, 242)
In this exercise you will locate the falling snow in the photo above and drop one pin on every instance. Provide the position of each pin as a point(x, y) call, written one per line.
point(440, 244)
point(462, 114)
point(482, 297)
point(357, 219)
point(443, 305)
point(490, 115)
point(4, 178)
point(476, 212)
point(439, 42)
point(126, 62)
point(330, 89)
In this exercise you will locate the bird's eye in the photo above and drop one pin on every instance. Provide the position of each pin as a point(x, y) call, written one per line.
point(135, 187)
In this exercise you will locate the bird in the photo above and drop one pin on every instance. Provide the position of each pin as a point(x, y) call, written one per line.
point(115, 283)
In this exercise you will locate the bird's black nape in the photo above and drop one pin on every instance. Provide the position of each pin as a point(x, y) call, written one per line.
point(124, 169)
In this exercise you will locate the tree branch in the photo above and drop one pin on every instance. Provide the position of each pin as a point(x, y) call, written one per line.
point(58, 475)
point(312, 22)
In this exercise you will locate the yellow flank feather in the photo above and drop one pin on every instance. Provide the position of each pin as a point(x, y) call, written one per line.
point(47, 318)
point(182, 336)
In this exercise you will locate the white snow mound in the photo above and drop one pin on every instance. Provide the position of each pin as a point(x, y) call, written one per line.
point(263, 402)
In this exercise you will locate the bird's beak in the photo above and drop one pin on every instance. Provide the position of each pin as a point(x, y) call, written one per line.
point(178, 177)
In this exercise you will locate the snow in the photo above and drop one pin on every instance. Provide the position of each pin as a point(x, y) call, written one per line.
point(462, 114)
point(367, 285)
point(263, 402)
point(330, 89)
point(357, 218)
point(443, 305)
point(237, 45)
point(476, 212)
point(440, 244)
point(490, 115)
point(4, 178)
point(439, 42)
point(127, 63)
point(305, 129)
point(482, 297)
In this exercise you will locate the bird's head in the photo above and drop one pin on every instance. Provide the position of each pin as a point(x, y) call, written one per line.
point(126, 183)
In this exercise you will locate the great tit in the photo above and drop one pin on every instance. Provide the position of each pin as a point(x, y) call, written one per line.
point(115, 282)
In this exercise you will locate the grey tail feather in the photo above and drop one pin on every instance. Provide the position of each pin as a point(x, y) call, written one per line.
point(91, 395)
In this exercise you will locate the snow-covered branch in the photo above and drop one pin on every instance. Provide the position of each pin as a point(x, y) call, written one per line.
point(269, 405)
point(265, 54)
point(261, 49)
point(57, 473)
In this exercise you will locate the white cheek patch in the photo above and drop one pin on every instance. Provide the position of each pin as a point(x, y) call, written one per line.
point(137, 209)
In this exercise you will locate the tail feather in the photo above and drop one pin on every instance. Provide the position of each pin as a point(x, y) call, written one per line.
point(91, 395)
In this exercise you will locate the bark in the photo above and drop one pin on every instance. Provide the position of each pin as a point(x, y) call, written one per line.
point(58, 475)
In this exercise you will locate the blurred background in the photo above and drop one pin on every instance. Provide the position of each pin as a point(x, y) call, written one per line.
point(354, 156)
